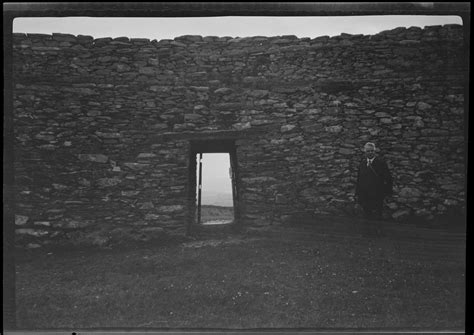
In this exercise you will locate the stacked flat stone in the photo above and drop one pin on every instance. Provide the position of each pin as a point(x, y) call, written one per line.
point(103, 126)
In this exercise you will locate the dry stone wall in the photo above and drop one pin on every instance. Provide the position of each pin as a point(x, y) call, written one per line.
point(103, 126)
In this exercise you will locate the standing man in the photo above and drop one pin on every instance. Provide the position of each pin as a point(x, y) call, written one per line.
point(374, 183)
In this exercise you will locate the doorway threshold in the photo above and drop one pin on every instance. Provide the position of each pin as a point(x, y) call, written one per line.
point(217, 222)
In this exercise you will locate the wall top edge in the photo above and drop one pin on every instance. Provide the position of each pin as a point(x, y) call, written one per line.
point(189, 39)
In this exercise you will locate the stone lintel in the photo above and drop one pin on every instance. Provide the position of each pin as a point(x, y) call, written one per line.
point(210, 135)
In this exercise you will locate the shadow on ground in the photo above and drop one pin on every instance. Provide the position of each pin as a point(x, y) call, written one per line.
point(333, 274)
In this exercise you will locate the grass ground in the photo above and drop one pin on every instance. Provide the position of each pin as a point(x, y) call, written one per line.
point(211, 213)
point(297, 280)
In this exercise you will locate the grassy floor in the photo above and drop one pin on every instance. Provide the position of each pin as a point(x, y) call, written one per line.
point(210, 213)
point(256, 282)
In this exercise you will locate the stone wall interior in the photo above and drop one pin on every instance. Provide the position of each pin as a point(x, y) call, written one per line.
point(104, 128)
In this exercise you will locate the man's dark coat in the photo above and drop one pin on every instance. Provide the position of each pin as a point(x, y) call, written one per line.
point(373, 182)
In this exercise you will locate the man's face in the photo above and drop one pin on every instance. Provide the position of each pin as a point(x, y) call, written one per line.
point(369, 152)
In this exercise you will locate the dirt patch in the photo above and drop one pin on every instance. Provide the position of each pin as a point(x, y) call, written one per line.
point(219, 242)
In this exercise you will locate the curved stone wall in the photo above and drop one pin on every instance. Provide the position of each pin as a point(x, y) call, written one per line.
point(103, 126)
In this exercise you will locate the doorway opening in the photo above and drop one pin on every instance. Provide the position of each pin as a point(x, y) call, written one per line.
point(214, 189)
point(213, 192)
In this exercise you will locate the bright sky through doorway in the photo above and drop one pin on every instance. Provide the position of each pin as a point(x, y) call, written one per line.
point(216, 182)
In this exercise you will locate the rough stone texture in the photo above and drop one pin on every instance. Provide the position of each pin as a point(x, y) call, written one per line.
point(103, 127)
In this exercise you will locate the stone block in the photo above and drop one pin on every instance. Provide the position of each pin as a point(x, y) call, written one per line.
point(152, 231)
point(241, 126)
point(258, 93)
point(327, 119)
point(32, 232)
point(401, 214)
point(418, 122)
point(152, 217)
point(48, 147)
point(136, 166)
point(423, 106)
point(45, 137)
point(287, 127)
point(160, 89)
point(97, 158)
point(202, 89)
point(73, 224)
point(280, 199)
point(409, 193)
point(280, 105)
point(45, 49)
point(153, 61)
point(159, 126)
point(223, 91)
point(42, 223)
point(452, 187)
point(145, 155)
point(261, 179)
point(333, 129)
point(84, 182)
point(249, 80)
point(259, 122)
point(21, 220)
point(346, 151)
point(392, 205)
point(108, 182)
point(146, 70)
point(129, 193)
point(108, 135)
point(382, 115)
point(147, 205)
point(451, 202)
point(170, 208)
point(102, 40)
point(178, 44)
point(193, 117)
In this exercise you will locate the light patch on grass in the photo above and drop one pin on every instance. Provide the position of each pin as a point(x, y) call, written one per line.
point(216, 243)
